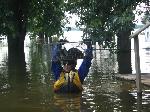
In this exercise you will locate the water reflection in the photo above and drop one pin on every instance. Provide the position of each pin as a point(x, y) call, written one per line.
point(68, 102)
point(28, 86)
point(16, 81)
point(127, 101)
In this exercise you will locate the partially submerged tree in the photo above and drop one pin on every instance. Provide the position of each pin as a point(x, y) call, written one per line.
point(104, 19)
point(17, 17)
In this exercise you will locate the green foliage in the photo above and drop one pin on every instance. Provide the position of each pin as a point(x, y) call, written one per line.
point(103, 18)
point(13, 16)
point(48, 16)
point(32, 16)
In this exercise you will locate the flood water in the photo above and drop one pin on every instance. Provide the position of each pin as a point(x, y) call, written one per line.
point(32, 90)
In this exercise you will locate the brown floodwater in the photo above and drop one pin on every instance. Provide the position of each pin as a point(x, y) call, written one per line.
point(32, 90)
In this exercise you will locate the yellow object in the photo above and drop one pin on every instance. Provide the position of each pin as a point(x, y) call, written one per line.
point(66, 79)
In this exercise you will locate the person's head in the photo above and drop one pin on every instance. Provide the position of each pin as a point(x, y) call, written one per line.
point(70, 60)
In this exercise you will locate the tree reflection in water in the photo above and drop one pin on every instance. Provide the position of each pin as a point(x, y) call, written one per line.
point(68, 102)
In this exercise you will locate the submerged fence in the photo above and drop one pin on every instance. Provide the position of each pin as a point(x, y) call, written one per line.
point(105, 61)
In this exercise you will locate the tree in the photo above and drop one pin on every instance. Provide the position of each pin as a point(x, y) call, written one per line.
point(47, 17)
point(17, 17)
point(104, 19)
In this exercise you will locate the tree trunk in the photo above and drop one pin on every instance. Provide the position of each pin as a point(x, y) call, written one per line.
point(16, 58)
point(15, 38)
point(41, 37)
point(124, 52)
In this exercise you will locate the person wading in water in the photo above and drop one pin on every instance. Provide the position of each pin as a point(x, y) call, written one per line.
point(67, 78)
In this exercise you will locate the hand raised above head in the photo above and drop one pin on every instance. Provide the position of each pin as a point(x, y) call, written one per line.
point(88, 42)
point(62, 41)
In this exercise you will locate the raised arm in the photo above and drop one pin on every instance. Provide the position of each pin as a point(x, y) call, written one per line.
point(56, 64)
point(84, 68)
